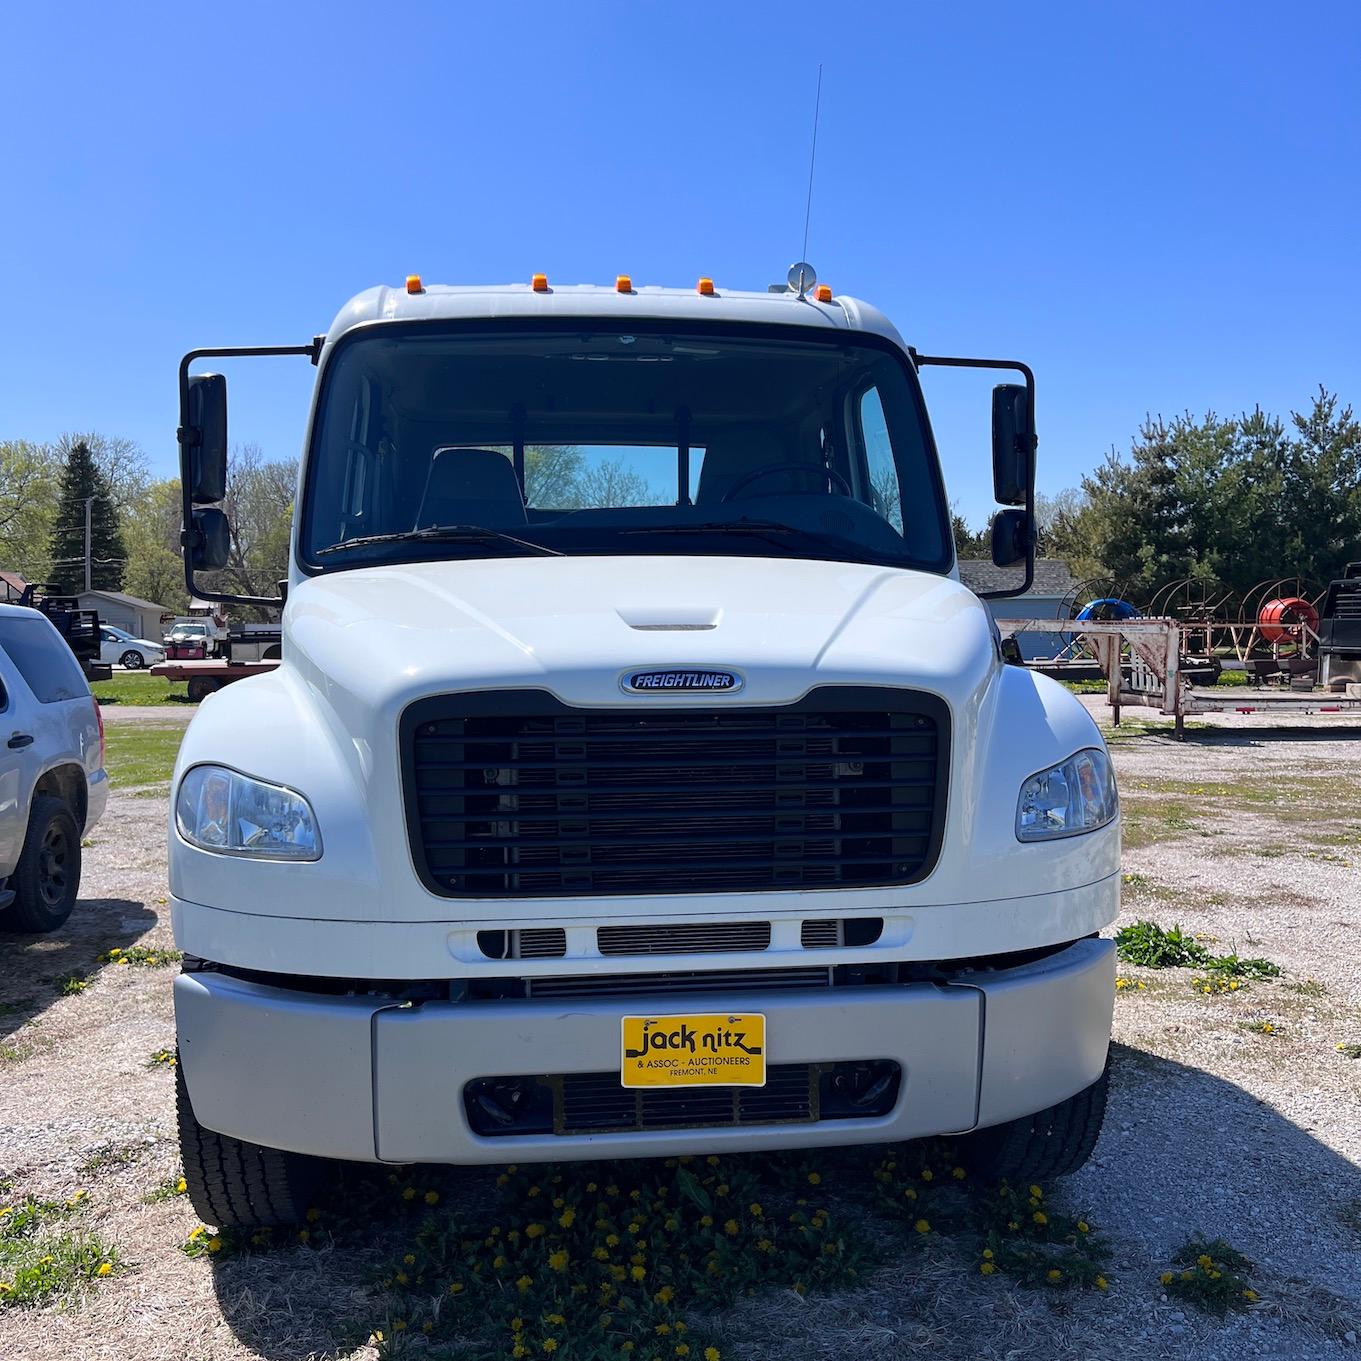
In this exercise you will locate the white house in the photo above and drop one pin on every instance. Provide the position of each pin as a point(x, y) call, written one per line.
point(1050, 597)
point(141, 618)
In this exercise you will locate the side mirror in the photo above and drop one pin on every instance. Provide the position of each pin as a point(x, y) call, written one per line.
point(203, 438)
point(1013, 444)
point(208, 544)
point(1010, 537)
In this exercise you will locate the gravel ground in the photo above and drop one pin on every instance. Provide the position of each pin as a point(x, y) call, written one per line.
point(1244, 834)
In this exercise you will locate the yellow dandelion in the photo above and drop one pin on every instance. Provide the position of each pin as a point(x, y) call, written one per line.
point(987, 1268)
point(1083, 1226)
point(181, 1186)
point(815, 1179)
point(214, 1245)
point(928, 1174)
point(1040, 1217)
point(524, 1283)
point(432, 1197)
point(1101, 1282)
point(711, 1354)
point(408, 1193)
point(664, 1295)
point(959, 1174)
point(1054, 1274)
point(534, 1230)
point(922, 1226)
point(637, 1272)
point(1037, 1193)
point(558, 1260)
point(730, 1227)
point(104, 1269)
point(567, 1218)
point(1166, 1278)
point(550, 1344)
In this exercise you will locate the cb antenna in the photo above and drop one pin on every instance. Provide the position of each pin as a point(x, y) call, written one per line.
point(812, 161)
point(801, 275)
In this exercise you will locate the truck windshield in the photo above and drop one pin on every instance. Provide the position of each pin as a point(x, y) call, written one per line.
point(599, 441)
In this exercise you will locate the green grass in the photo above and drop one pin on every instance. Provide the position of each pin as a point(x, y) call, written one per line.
point(140, 754)
point(1153, 947)
point(139, 688)
point(41, 1258)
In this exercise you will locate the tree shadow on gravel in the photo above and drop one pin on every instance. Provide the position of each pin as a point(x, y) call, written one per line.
point(33, 968)
point(1182, 1151)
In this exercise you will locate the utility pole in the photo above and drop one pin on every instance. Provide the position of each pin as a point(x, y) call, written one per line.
point(89, 505)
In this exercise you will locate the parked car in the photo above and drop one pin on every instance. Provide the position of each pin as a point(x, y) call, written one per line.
point(53, 786)
point(117, 645)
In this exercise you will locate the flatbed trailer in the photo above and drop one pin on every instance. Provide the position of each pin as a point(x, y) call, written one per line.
point(204, 677)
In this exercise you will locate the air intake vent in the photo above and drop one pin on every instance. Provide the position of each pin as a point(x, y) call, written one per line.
point(652, 984)
point(516, 795)
point(690, 938)
point(827, 933)
point(535, 942)
point(821, 935)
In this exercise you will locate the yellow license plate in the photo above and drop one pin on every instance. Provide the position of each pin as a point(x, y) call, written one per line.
point(694, 1051)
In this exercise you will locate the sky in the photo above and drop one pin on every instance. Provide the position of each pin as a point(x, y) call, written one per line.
point(1156, 205)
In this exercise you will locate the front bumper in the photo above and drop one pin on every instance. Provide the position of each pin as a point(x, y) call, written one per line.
point(355, 1078)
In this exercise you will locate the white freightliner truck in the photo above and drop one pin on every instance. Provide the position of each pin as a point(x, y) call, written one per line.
point(638, 779)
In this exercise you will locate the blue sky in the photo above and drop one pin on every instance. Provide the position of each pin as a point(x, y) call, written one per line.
point(1156, 205)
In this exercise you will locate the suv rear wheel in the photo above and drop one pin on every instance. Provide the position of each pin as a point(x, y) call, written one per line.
point(47, 877)
point(236, 1185)
point(1051, 1143)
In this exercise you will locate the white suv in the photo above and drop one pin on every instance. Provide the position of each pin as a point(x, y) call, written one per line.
point(53, 786)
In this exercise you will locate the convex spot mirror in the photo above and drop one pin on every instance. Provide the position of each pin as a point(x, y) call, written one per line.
point(205, 436)
point(1010, 537)
point(1013, 444)
point(209, 541)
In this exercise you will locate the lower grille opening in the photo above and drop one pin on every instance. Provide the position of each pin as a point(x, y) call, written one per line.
point(684, 938)
point(827, 933)
point(596, 1103)
point(719, 980)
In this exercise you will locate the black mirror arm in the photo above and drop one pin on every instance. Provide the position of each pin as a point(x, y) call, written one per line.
point(187, 437)
point(953, 362)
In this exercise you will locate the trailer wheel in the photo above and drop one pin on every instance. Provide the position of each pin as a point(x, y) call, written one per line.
point(238, 1185)
point(200, 687)
point(1051, 1143)
point(46, 880)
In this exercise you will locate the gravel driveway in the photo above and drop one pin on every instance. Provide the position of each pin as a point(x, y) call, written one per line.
point(1247, 836)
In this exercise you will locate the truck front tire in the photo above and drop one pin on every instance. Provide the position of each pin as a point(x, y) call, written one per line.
point(46, 880)
point(236, 1185)
point(1051, 1143)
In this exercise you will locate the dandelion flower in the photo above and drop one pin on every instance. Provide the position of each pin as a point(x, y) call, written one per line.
point(408, 1193)
point(181, 1186)
point(534, 1230)
point(104, 1269)
point(664, 1295)
point(1083, 1226)
point(815, 1178)
point(959, 1174)
point(711, 1354)
point(987, 1268)
point(1040, 1217)
point(1037, 1193)
point(987, 1254)
point(928, 1174)
point(567, 1218)
point(214, 1245)
point(550, 1344)
point(558, 1260)
point(1054, 1274)
point(730, 1227)
point(922, 1226)
point(432, 1197)
point(524, 1283)
point(637, 1272)
point(1101, 1282)
point(1166, 1278)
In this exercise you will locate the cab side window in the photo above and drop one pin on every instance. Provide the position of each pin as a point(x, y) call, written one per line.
point(48, 667)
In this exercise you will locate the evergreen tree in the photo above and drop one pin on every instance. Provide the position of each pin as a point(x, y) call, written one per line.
point(82, 479)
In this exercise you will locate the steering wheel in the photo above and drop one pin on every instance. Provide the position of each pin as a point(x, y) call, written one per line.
point(767, 468)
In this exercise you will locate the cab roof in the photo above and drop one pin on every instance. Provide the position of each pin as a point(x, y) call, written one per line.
point(607, 303)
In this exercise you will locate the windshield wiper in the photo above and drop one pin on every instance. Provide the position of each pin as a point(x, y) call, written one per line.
point(440, 534)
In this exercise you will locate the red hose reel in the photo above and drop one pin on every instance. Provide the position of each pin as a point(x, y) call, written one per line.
point(1284, 620)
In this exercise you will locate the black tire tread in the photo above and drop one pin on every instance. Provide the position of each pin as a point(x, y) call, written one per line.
point(234, 1184)
point(27, 912)
point(1054, 1142)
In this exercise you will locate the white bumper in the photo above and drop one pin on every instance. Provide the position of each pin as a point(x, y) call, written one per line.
point(354, 1078)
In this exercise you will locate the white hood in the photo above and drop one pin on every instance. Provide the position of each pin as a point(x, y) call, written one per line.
point(571, 625)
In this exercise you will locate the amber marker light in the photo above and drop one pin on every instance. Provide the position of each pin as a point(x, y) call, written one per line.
point(414, 284)
point(623, 284)
point(823, 293)
point(705, 288)
point(539, 283)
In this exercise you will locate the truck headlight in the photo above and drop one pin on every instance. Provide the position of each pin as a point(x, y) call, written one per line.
point(219, 809)
point(1077, 795)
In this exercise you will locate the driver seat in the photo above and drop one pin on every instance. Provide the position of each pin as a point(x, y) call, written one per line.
point(731, 454)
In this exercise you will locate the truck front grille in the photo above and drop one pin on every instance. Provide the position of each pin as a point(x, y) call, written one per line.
point(514, 794)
